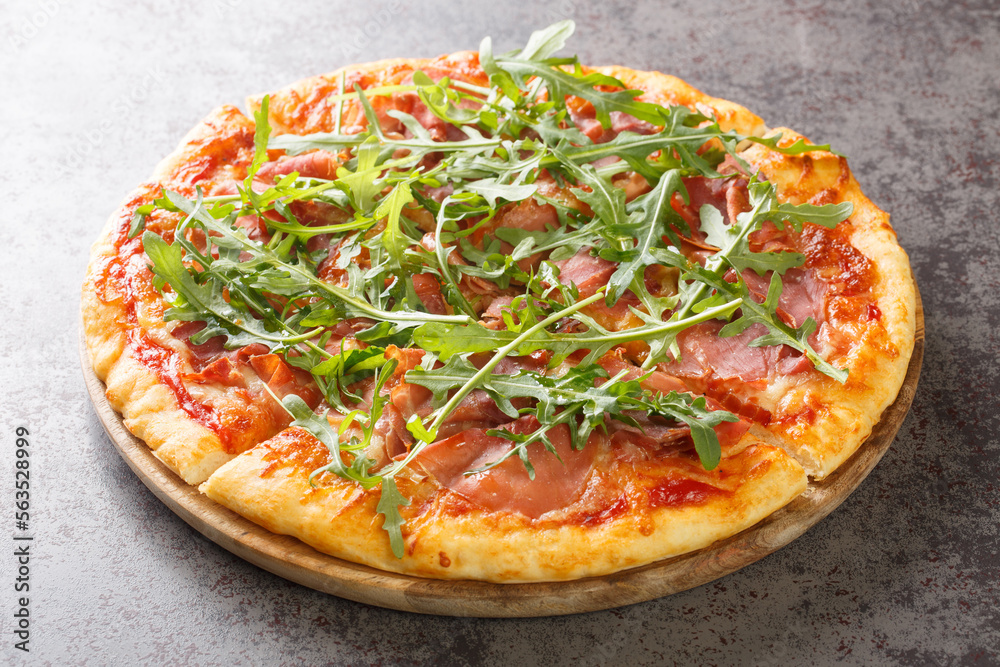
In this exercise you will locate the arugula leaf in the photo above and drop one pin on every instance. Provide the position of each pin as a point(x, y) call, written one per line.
point(739, 254)
point(262, 130)
point(363, 184)
point(546, 43)
point(394, 240)
point(644, 231)
point(491, 190)
point(606, 200)
point(138, 223)
point(191, 301)
point(390, 500)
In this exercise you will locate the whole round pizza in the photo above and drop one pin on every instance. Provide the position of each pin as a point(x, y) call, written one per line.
point(499, 317)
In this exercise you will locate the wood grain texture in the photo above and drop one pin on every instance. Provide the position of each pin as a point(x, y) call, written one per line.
point(289, 558)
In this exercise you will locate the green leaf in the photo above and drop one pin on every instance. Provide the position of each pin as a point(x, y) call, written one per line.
point(388, 506)
point(192, 301)
point(827, 215)
point(606, 200)
point(262, 130)
point(547, 42)
point(394, 240)
point(644, 231)
point(738, 252)
point(138, 222)
point(363, 184)
point(797, 148)
point(491, 190)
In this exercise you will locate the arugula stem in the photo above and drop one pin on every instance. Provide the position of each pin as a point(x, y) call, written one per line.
point(340, 103)
point(672, 326)
point(470, 87)
point(378, 313)
point(302, 230)
point(442, 258)
point(487, 368)
point(653, 141)
point(442, 413)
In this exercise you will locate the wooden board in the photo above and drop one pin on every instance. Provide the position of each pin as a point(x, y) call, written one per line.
point(289, 558)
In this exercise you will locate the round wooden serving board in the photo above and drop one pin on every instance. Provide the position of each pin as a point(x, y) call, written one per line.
point(289, 558)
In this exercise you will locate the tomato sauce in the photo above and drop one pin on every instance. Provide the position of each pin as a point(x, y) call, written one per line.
point(677, 492)
point(121, 278)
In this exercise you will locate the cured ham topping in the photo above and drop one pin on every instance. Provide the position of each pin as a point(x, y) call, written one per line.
point(508, 486)
point(318, 164)
point(428, 290)
point(652, 435)
point(705, 354)
point(676, 492)
point(585, 271)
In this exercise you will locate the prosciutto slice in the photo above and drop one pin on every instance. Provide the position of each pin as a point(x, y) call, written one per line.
point(507, 487)
point(587, 272)
point(705, 355)
point(428, 290)
point(317, 164)
point(802, 296)
point(655, 434)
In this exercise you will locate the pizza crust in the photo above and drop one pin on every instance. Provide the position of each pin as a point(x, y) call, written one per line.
point(269, 485)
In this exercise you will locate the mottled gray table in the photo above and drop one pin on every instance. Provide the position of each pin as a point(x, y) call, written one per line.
point(906, 571)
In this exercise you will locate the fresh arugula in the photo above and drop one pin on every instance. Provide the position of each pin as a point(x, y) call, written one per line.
point(576, 398)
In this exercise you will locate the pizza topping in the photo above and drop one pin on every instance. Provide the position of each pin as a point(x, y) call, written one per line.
point(601, 265)
point(556, 481)
point(704, 354)
point(318, 164)
point(676, 491)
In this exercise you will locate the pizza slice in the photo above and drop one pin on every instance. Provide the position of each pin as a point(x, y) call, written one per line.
point(597, 510)
point(195, 403)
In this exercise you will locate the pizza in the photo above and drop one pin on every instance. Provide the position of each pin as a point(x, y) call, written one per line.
point(499, 317)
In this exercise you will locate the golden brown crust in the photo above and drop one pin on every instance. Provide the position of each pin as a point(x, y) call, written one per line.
point(269, 485)
point(818, 422)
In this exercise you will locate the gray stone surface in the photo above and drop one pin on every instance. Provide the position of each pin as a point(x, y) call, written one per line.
point(904, 572)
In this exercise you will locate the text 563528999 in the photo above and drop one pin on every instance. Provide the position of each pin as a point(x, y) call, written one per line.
point(22, 540)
